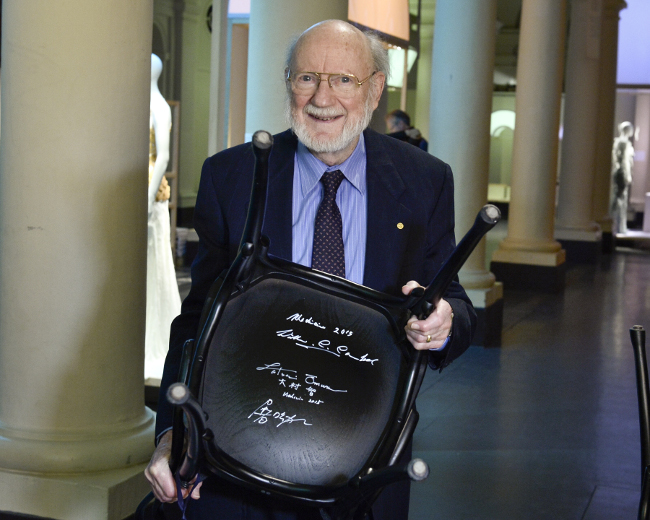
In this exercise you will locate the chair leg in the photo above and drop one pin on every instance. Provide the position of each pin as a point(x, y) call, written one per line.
point(644, 509)
point(637, 335)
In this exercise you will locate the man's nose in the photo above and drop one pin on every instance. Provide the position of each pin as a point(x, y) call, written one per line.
point(324, 94)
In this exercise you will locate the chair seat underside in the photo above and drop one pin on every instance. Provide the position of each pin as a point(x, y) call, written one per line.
point(300, 384)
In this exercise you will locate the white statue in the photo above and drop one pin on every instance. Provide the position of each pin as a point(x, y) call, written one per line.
point(622, 162)
point(163, 299)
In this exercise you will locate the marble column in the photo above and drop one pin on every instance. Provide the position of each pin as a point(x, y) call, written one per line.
point(575, 227)
point(420, 119)
point(459, 134)
point(605, 125)
point(529, 257)
point(74, 432)
point(272, 27)
point(641, 168)
point(194, 66)
point(217, 113)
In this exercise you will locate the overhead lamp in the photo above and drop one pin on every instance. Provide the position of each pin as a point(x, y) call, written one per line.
point(388, 17)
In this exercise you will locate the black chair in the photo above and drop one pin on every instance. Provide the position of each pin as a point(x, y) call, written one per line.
point(302, 385)
point(637, 333)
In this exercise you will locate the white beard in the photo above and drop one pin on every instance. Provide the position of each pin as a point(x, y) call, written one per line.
point(351, 130)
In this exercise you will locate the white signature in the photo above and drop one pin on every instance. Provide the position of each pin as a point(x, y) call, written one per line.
point(311, 380)
point(276, 369)
point(263, 413)
point(323, 346)
point(288, 379)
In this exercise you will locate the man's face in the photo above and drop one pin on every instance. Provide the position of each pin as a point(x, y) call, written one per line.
point(395, 125)
point(324, 121)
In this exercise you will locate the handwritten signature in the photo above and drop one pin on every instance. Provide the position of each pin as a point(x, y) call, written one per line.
point(323, 346)
point(311, 380)
point(263, 413)
point(276, 369)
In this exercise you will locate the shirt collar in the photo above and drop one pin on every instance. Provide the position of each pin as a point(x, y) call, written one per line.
point(311, 169)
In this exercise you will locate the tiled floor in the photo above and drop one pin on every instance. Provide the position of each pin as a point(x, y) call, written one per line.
point(545, 427)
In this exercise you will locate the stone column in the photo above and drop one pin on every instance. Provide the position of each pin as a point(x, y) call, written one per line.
point(575, 228)
point(459, 134)
point(272, 26)
point(217, 138)
point(641, 169)
point(420, 119)
point(529, 257)
point(74, 432)
point(195, 69)
point(605, 124)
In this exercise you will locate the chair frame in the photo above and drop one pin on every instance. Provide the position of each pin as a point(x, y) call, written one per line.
point(637, 335)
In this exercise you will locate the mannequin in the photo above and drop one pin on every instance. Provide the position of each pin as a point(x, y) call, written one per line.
point(163, 299)
point(622, 162)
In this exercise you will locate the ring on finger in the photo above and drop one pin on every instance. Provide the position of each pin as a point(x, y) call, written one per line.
point(428, 338)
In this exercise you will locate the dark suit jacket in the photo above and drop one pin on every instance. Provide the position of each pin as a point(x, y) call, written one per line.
point(405, 186)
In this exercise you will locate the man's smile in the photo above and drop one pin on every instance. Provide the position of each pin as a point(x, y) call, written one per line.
point(323, 118)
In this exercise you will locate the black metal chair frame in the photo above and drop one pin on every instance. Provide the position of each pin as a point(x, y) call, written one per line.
point(637, 334)
point(193, 446)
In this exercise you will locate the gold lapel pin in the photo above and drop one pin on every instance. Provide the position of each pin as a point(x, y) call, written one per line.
point(400, 225)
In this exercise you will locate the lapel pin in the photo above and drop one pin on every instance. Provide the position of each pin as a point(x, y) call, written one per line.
point(400, 225)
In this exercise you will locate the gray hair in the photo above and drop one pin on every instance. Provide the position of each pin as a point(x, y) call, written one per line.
point(290, 51)
point(375, 44)
point(378, 52)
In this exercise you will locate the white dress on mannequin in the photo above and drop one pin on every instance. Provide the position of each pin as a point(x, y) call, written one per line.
point(622, 163)
point(163, 299)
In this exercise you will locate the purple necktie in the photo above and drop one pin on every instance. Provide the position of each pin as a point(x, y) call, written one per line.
point(328, 254)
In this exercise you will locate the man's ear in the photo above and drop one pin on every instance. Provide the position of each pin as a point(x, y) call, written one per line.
point(378, 83)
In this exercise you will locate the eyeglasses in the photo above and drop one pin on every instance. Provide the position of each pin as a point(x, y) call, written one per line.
point(345, 85)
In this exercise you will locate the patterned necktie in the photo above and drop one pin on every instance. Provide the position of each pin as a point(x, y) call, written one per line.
point(328, 254)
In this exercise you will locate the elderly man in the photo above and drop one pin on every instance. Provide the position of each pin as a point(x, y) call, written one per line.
point(396, 214)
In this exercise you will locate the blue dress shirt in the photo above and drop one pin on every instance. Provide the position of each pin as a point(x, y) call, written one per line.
point(351, 199)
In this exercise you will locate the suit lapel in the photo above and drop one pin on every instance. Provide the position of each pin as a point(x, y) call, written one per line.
point(278, 217)
point(388, 221)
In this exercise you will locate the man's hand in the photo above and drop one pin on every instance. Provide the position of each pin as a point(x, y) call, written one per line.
point(160, 476)
point(432, 332)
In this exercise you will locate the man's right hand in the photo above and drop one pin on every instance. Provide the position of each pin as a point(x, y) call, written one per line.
point(159, 474)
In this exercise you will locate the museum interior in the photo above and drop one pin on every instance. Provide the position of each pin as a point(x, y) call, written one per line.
point(540, 107)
